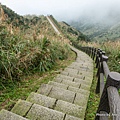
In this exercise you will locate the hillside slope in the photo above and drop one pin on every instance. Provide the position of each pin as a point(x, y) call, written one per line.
point(24, 50)
point(98, 30)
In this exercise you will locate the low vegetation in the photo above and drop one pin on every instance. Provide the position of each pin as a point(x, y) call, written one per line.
point(30, 83)
point(29, 55)
point(112, 50)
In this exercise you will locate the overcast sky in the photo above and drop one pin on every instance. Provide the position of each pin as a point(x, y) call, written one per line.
point(65, 9)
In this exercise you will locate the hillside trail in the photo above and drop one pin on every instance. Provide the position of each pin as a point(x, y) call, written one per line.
point(54, 27)
point(63, 98)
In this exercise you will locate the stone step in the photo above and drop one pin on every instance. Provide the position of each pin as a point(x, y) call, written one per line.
point(62, 94)
point(42, 100)
point(85, 80)
point(22, 108)
point(59, 105)
point(71, 77)
point(56, 92)
point(38, 112)
point(78, 84)
point(66, 83)
point(70, 109)
point(60, 76)
point(7, 115)
point(57, 84)
point(71, 88)
point(77, 65)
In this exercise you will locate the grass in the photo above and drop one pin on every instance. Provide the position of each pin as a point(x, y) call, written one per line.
point(93, 101)
point(112, 49)
point(21, 90)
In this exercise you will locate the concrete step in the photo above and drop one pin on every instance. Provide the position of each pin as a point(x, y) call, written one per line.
point(60, 76)
point(79, 65)
point(71, 88)
point(78, 84)
point(62, 94)
point(56, 92)
point(22, 108)
point(57, 84)
point(7, 115)
point(66, 83)
point(38, 112)
point(59, 105)
point(84, 80)
point(42, 100)
point(71, 77)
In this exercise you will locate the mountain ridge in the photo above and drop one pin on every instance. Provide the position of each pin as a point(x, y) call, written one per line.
point(98, 30)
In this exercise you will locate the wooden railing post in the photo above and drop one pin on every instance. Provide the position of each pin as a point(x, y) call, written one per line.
point(113, 79)
point(99, 66)
point(94, 53)
point(109, 105)
point(100, 72)
point(104, 59)
point(97, 56)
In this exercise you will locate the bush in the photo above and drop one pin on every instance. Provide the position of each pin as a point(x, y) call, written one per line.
point(19, 57)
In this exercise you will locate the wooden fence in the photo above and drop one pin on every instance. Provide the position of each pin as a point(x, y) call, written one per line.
point(108, 85)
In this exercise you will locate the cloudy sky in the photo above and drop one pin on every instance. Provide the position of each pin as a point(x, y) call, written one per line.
point(65, 9)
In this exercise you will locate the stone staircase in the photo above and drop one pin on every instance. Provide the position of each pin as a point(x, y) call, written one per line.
point(64, 98)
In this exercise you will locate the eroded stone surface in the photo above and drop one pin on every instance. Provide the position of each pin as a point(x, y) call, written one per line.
point(60, 85)
point(71, 83)
point(38, 112)
point(85, 87)
point(82, 81)
point(44, 89)
point(81, 100)
point(21, 107)
point(69, 108)
point(41, 100)
point(62, 94)
point(6, 115)
point(65, 77)
point(79, 90)
point(58, 80)
point(64, 73)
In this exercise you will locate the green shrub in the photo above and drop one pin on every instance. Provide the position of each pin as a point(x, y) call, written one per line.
point(19, 57)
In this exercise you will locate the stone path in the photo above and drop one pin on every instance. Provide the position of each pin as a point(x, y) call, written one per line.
point(56, 30)
point(64, 98)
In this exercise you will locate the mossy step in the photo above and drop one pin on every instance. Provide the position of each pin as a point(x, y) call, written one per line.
point(86, 80)
point(78, 64)
point(65, 83)
point(41, 100)
point(61, 76)
point(56, 92)
point(7, 115)
point(59, 105)
point(81, 84)
point(22, 107)
point(38, 112)
point(57, 84)
point(71, 88)
point(65, 95)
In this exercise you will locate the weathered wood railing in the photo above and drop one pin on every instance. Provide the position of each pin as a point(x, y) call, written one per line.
point(107, 85)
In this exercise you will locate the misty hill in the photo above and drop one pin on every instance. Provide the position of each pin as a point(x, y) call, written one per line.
point(105, 29)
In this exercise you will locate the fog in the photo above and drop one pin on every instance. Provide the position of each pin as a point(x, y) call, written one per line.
point(68, 10)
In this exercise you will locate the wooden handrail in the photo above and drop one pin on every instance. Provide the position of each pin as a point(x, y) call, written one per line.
point(107, 85)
